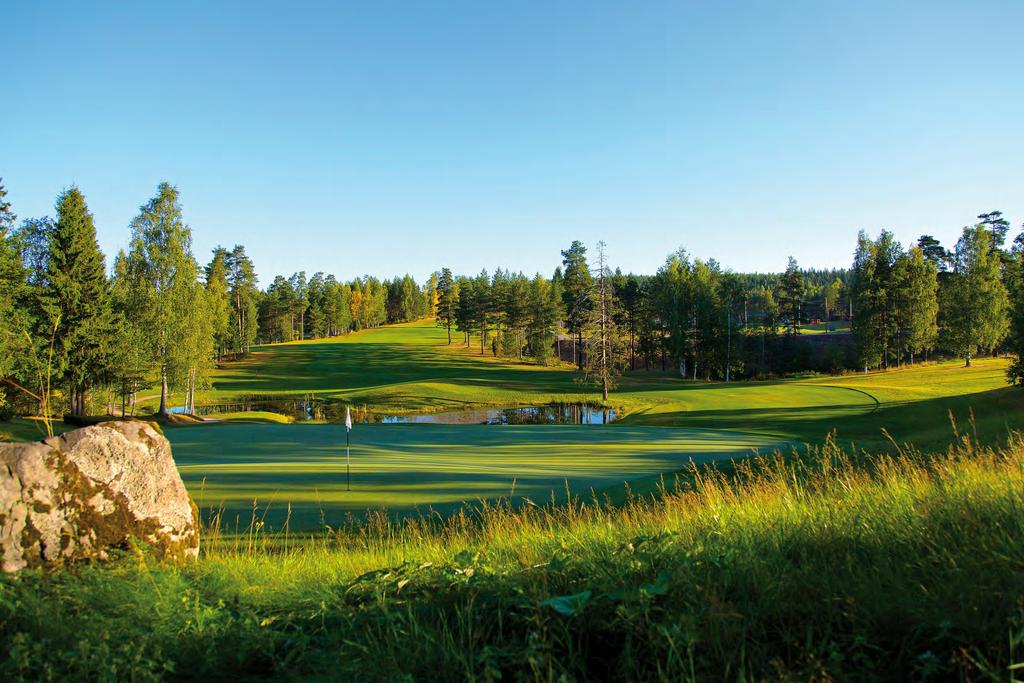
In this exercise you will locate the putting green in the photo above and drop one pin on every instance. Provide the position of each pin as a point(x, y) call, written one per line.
point(409, 467)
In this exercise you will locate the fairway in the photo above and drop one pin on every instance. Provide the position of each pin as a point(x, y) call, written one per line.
point(666, 422)
point(409, 467)
point(409, 368)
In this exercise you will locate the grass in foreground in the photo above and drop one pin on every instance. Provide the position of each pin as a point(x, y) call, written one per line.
point(890, 568)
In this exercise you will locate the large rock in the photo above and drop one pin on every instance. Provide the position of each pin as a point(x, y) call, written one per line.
point(77, 495)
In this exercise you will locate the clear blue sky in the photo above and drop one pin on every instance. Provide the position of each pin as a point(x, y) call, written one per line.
point(398, 137)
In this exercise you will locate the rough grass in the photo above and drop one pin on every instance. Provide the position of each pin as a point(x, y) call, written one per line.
point(809, 567)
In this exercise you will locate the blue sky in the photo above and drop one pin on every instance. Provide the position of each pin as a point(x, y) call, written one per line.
point(393, 137)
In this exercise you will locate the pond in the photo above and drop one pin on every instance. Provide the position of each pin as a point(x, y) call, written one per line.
point(334, 411)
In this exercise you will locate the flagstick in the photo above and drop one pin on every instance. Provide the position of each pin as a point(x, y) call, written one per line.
point(348, 452)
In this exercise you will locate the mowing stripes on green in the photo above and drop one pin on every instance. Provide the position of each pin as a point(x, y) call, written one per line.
point(408, 467)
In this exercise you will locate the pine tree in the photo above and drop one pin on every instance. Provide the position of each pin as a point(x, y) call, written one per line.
point(997, 227)
point(731, 293)
point(935, 253)
point(482, 308)
point(219, 300)
point(542, 317)
point(316, 318)
point(791, 287)
point(604, 349)
point(447, 301)
point(75, 300)
point(577, 284)
point(300, 291)
point(464, 313)
point(768, 322)
point(673, 299)
point(515, 308)
point(630, 302)
point(243, 295)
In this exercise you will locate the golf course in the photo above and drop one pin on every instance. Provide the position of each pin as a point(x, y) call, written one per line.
point(243, 466)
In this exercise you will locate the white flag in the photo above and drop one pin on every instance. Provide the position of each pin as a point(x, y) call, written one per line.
point(348, 420)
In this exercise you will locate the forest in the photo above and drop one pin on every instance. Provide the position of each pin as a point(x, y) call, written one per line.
point(80, 338)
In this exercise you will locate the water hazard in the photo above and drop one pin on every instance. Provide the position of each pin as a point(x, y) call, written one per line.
point(334, 411)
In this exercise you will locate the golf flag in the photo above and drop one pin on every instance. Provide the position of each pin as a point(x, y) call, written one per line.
point(348, 452)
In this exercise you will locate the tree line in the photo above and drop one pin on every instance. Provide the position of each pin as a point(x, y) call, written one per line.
point(159, 320)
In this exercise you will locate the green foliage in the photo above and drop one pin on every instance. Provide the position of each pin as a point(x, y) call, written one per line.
point(542, 319)
point(74, 300)
point(447, 301)
point(917, 303)
point(243, 294)
point(976, 303)
point(1013, 277)
point(895, 301)
point(576, 285)
point(163, 296)
point(12, 292)
point(792, 289)
point(219, 300)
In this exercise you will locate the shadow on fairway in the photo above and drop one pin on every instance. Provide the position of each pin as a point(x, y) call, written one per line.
point(408, 467)
point(342, 366)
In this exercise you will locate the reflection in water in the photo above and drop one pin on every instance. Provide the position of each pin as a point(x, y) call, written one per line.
point(334, 411)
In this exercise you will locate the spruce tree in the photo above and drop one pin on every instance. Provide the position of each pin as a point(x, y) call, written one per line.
point(75, 300)
point(791, 286)
point(13, 320)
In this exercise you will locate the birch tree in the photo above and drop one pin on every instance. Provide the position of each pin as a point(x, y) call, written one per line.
point(162, 275)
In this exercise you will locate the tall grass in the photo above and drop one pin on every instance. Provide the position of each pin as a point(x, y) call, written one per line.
point(822, 565)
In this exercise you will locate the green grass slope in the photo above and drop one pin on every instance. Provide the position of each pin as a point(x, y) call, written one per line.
point(409, 368)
